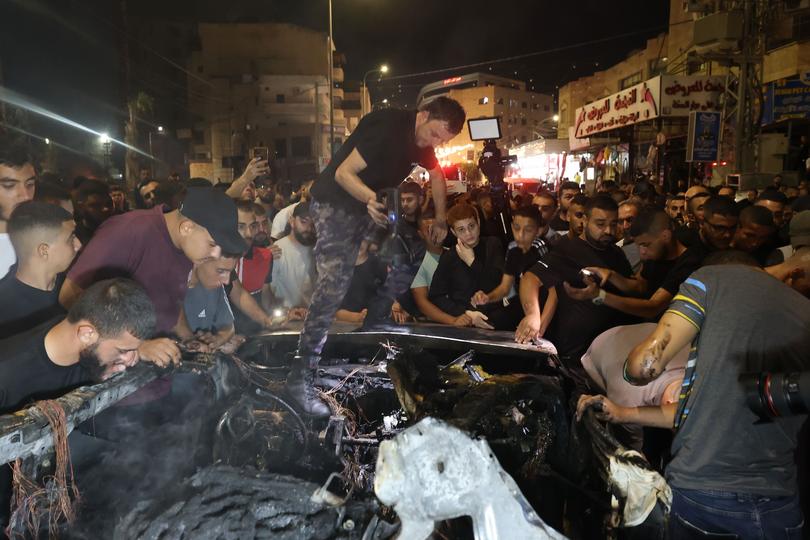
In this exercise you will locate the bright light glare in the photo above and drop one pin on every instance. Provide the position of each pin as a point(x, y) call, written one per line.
point(103, 138)
point(160, 129)
point(384, 68)
point(47, 140)
point(556, 117)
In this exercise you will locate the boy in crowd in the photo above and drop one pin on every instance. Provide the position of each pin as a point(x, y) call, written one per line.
point(43, 238)
point(207, 318)
point(522, 256)
point(474, 264)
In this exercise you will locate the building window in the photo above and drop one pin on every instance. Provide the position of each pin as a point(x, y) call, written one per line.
point(500, 101)
point(522, 121)
point(536, 106)
point(301, 147)
point(198, 136)
point(280, 98)
point(281, 148)
point(513, 103)
point(546, 108)
point(633, 79)
point(657, 67)
point(483, 101)
point(523, 105)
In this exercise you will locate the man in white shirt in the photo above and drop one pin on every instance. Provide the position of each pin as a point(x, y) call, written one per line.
point(282, 218)
point(17, 184)
point(294, 273)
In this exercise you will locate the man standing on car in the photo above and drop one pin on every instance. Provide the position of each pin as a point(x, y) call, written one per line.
point(380, 153)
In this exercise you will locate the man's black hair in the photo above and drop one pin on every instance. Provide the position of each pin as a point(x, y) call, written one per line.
point(114, 306)
point(580, 199)
point(169, 193)
point(91, 186)
point(198, 182)
point(602, 202)
point(757, 215)
point(569, 186)
point(51, 192)
point(446, 110)
point(31, 215)
point(723, 206)
point(546, 195)
point(244, 206)
point(730, 256)
point(773, 195)
point(410, 187)
point(651, 221)
point(14, 152)
point(529, 211)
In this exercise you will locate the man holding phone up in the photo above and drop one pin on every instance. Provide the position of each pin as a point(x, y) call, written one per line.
point(380, 153)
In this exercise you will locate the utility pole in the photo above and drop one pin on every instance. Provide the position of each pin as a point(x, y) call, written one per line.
point(331, 87)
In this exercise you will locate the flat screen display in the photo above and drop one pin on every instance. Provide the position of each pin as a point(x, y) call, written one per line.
point(482, 129)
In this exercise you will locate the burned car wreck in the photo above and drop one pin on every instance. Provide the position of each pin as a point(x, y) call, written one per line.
point(433, 430)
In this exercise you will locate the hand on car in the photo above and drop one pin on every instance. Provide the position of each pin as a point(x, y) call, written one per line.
point(161, 352)
point(604, 409)
point(479, 320)
point(528, 329)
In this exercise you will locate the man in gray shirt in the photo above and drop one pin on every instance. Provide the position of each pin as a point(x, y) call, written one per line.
point(731, 474)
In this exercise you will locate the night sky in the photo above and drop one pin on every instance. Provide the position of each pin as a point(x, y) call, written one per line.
point(65, 54)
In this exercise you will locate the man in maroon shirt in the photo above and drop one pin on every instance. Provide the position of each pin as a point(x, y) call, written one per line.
point(158, 249)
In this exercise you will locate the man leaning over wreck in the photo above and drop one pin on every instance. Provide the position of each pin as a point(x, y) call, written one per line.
point(731, 473)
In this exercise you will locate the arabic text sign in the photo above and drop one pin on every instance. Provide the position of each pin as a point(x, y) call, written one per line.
point(785, 99)
point(632, 105)
point(681, 95)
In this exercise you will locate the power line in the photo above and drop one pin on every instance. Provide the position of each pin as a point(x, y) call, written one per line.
point(527, 55)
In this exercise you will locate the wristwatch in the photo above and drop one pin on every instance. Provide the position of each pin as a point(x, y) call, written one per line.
point(600, 300)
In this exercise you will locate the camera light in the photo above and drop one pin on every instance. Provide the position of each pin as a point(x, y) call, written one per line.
point(278, 313)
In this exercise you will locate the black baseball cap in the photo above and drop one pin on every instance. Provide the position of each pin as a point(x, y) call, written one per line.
point(216, 212)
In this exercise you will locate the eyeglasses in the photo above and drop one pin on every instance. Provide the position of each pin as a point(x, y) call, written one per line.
point(722, 228)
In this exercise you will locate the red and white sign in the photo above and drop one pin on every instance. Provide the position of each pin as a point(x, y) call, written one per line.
point(682, 94)
point(630, 106)
point(665, 95)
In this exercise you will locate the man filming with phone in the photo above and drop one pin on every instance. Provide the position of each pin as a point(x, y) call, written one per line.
point(379, 154)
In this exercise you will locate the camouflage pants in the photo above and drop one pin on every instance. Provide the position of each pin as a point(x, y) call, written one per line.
point(339, 236)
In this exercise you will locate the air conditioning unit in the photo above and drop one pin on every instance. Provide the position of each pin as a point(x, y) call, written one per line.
point(698, 6)
point(719, 30)
point(796, 5)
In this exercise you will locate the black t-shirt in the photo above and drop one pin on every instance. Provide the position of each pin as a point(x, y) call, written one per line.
point(577, 323)
point(518, 262)
point(23, 307)
point(386, 141)
point(559, 224)
point(454, 283)
point(669, 275)
point(687, 235)
point(366, 279)
point(27, 374)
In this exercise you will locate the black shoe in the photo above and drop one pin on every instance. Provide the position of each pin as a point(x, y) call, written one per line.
point(301, 389)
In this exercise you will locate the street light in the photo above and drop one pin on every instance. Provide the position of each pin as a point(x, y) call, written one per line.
point(160, 129)
point(104, 138)
point(382, 69)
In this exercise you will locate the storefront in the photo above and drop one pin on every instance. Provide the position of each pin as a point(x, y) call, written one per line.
point(640, 122)
point(548, 160)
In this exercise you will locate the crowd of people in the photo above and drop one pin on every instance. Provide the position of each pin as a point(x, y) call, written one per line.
point(653, 300)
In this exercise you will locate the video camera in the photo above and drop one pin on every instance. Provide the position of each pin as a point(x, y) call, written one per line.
point(394, 250)
point(493, 164)
point(773, 395)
